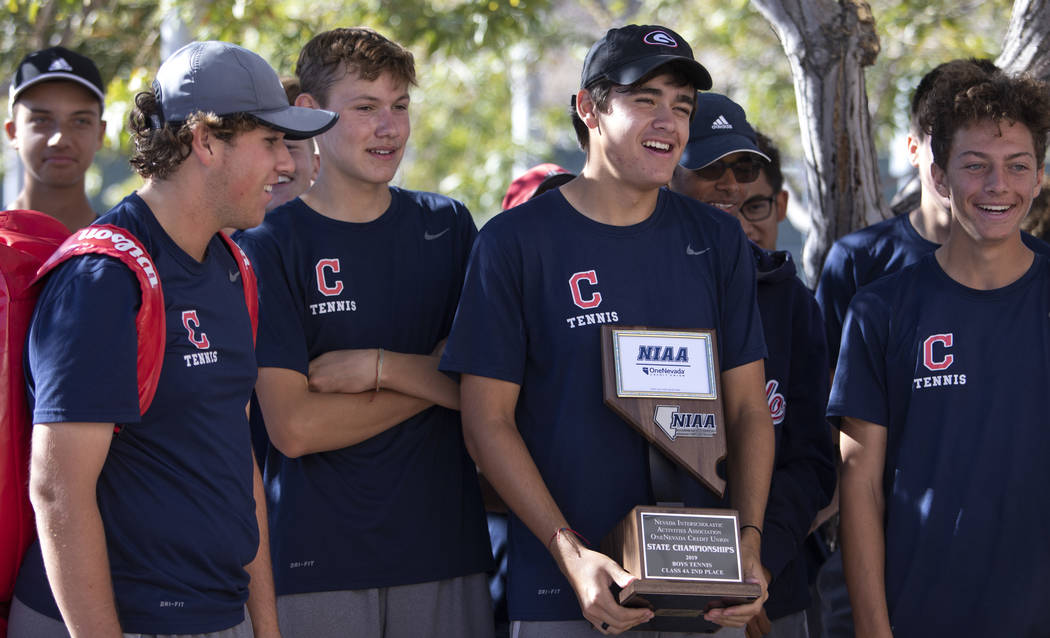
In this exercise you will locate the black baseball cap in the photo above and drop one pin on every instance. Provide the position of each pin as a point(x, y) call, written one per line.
point(719, 128)
point(226, 79)
point(626, 54)
point(57, 63)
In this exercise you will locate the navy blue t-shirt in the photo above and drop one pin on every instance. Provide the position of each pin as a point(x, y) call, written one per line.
point(403, 506)
point(175, 492)
point(861, 257)
point(959, 379)
point(542, 280)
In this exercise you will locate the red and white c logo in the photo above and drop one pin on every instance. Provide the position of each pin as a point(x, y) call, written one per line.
point(193, 328)
point(322, 284)
point(590, 277)
point(927, 352)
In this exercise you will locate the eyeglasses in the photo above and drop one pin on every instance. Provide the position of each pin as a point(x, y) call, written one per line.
point(745, 170)
point(757, 208)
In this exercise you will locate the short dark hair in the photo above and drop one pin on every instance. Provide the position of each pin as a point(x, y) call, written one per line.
point(601, 89)
point(771, 168)
point(160, 147)
point(292, 88)
point(998, 98)
point(961, 72)
point(328, 57)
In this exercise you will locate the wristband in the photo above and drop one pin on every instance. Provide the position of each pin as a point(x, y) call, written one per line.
point(754, 527)
point(558, 531)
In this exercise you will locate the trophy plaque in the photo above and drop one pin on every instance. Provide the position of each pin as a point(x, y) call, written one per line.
point(686, 561)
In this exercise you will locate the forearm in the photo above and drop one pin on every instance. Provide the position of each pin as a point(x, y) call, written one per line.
point(864, 559)
point(299, 421)
point(74, 548)
point(417, 375)
point(262, 600)
point(503, 459)
point(491, 436)
point(750, 464)
point(63, 474)
point(863, 540)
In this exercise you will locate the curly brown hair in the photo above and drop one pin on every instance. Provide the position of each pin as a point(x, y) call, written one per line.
point(330, 56)
point(999, 98)
point(160, 147)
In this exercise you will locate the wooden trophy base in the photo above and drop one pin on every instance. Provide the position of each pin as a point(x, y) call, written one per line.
point(680, 606)
point(686, 562)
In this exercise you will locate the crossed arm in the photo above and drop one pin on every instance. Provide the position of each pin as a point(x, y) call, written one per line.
point(338, 405)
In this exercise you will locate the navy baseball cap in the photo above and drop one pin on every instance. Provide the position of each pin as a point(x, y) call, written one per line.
point(225, 79)
point(719, 128)
point(626, 54)
point(57, 63)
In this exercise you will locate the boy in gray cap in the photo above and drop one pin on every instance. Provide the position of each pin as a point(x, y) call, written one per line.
point(56, 127)
point(152, 519)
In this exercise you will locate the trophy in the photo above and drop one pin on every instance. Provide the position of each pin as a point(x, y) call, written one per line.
point(686, 561)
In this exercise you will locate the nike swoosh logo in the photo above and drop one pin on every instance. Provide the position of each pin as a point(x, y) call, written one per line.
point(427, 236)
point(234, 276)
point(689, 250)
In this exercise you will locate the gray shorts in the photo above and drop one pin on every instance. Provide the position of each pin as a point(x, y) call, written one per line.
point(26, 622)
point(454, 607)
point(584, 629)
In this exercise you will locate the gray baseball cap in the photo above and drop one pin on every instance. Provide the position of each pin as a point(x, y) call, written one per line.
point(225, 79)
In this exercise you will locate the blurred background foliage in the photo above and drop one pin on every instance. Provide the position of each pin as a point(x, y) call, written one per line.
point(467, 53)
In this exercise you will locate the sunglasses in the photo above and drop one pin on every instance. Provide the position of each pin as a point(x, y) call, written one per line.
point(745, 170)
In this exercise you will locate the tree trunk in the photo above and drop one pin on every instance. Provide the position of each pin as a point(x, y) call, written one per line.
point(1026, 47)
point(828, 43)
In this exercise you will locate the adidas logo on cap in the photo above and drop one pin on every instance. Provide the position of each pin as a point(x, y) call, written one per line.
point(59, 64)
point(721, 123)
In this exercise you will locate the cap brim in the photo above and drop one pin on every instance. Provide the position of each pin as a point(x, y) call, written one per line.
point(57, 77)
point(699, 154)
point(298, 122)
point(633, 71)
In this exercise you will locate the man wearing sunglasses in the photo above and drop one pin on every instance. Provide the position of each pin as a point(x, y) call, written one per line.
point(724, 165)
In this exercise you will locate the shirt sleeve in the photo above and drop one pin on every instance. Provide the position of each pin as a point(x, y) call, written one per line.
point(835, 289)
point(82, 348)
point(488, 333)
point(860, 387)
point(740, 333)
point(281, 342)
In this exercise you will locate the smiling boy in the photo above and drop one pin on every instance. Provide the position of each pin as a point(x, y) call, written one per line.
point(153, 522)
point(56, 126)
point(941, 387)
point(610, 246)
point(375, 507)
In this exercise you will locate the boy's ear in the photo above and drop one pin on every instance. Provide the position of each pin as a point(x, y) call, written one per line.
point(586, 109)
point(9, 128)
point(914, 148)
point(307, 100)
point(202, 144)
point(782, 204)
point(940, 181)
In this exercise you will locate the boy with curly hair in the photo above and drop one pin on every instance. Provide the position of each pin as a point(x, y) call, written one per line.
point(940, 385)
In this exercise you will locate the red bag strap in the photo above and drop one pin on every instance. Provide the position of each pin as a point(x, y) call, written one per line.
point(251, 285)
point(117, 242)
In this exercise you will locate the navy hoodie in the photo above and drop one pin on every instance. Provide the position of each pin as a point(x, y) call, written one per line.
point(797, 391)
